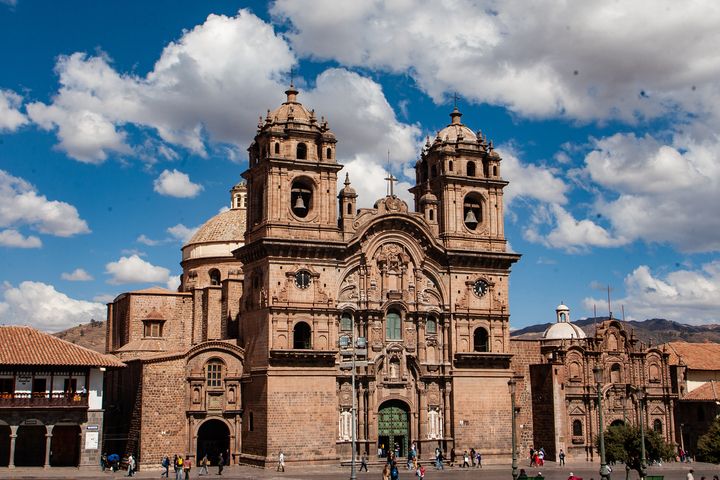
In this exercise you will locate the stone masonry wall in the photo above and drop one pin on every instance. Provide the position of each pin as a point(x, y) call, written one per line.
point(525, 353)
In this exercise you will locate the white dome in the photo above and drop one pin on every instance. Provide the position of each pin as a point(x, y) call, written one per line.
point(562, 306)
point(563, 330)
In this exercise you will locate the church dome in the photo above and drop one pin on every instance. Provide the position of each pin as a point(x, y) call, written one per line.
point(294, 113)
point(561, 331)
point(456, 131)
point(428, 197)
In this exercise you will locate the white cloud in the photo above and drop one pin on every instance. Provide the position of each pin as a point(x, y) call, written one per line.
point(530, 181)
point(13, 238)
point(41, 306)
point(104, 298)
point(367, 178)
point(585, 60)
point(145, 240)
point(10, 116)
point(173, 282)
point(77, 275)
point(687, 296)
point(181, 232)
point(134, 269)
point(21, 205)
point(176, 184)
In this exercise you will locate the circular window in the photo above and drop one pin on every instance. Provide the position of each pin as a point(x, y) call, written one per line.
point(480, 288)
point(302, 279)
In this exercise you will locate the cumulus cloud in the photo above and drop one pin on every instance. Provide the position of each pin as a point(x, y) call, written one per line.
point(181, 232)
point(15, 239)
point(77, 275)
point(104, 298)
point(176, 184)
point(685, 295)
point(21, 205)
point(41, 306)
point(10, 116)
point(580, 60)
point(134, 269)
point(530, 181)
point(173, 282)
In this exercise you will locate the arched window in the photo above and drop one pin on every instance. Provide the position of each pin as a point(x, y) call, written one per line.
point(654, 373)
point(563, 317)
point(214, 276)
point(450, 166)
point(328, 153)
point(657, 425)
point(394, 368)
point(472, 211)
point(431, 326)
point(577, 428)
point(277, 148)
point(431, 215)
point(471, 169)
point(615, 373)
point(301, 198)
point(393, 324)
point(349, 208)
point(301, 336)
point(301, 151)
point(480, 340)
point(214, 373)
point(574, 370)
point(494, 170)
point(346, 322)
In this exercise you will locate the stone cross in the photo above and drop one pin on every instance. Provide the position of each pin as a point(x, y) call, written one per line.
point(391, 182)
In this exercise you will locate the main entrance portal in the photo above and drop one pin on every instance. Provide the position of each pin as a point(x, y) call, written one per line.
point(393, 428)
point(213, 439)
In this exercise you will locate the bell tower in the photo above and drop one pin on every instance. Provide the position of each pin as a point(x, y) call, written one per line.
point(292, 176)
point(461, 170)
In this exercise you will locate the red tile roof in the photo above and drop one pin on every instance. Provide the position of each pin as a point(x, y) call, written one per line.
point(697, 356)
point(27, 346)
point(707, 392)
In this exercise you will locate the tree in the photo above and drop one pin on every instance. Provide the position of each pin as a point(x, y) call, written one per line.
point(623, 442)
point(708, 448)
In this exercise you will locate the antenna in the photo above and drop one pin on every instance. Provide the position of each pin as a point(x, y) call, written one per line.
point(455, 99)
point(292, 75)
point(623, 312)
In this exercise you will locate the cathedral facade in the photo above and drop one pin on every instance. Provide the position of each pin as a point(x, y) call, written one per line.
point(252, 354)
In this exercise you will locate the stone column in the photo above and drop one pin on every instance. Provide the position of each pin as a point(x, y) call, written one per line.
point(191, 436)
point(447, 420)
point(48, 441)
point(13, 436)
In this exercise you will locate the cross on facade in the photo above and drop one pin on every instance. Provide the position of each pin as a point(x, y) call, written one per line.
point(391, 181)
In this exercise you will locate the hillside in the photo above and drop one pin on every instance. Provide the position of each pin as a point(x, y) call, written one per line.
point(655, 330)
point(89, 335)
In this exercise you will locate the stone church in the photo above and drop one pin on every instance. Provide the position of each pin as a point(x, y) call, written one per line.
point(250, 357)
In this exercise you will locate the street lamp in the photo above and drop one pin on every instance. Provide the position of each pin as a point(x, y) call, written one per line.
point(641, 396)
point(511, 386)
point(356, 346)
point(604, 470)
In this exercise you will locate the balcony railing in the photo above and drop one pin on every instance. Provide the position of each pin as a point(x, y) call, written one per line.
point(43, 400)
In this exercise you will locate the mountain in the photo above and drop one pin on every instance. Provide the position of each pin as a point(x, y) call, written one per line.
point(655, 330)
point(89, 335)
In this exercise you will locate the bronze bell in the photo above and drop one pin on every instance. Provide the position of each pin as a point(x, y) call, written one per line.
point(299, 203)
point(470, 218)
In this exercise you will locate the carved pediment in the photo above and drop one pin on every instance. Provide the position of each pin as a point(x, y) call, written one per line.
point(577, 410)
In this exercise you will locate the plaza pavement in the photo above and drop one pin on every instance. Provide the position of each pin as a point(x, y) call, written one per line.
point(588, 471)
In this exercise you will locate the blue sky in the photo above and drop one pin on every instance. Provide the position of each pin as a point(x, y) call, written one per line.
point(123, 125)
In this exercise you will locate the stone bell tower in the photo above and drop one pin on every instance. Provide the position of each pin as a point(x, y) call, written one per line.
point(292, 176)
point(462, 171)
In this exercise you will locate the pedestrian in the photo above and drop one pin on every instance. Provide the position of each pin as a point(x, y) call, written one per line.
point(472, 457)
point(364, 462)
point(204, 466)
point(386, 472)
point(130, 466)
point(562, 457)
point(478, 463)
point(187, 465)
point(281, 462)
point(466, 460)
point(166, 465)
point(221, 463)
point(532, 456)
point(439, 460)
point(690, 475)
point(179, 469)
point(103, 461)
point(452, 457)
point(522, 475)
point(420, 472)
point(394, 473)
point(539, 476)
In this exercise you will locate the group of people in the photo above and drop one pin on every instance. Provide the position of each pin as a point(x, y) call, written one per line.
point(537, 457)
point(183, 466)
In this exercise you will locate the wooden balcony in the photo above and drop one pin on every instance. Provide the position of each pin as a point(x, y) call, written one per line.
point(43, 400)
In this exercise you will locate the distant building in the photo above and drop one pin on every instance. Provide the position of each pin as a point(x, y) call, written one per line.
point(51, 394)
point(559, 400)
point(696, 377)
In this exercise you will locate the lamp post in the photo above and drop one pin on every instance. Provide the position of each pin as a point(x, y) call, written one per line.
point(641, 396)
point(353, 344)
point(511, 386)
point(604, 470)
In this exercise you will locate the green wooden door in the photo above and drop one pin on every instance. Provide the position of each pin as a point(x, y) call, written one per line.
point(393, 423)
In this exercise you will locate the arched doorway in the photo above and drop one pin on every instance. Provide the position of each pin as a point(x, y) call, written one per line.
point(65, 446)
point(4, 445)
point(394, 427)
point(30, 446)
point(213, 438)
point(617, 423)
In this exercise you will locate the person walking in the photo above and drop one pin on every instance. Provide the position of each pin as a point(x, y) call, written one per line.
point(166, 465)
point(394, 473)
point(439, 460)
point(478, 459)
point(466, 460)
point(204, 466)
point(472, 457)
point(420, 472)
point(281, 462)
point(364, 462)
point(690, 475)
point(187, 466)
point(452, 457)
point(130, 466)
point(179, 469)
point(221, 463)
point(386, 472)
point(562, 457)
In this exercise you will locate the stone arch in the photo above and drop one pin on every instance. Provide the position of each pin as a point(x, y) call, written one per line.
point(65, 445)
point(481, 340)
point(302, 335)
point(394, 419)
point(213, 436)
